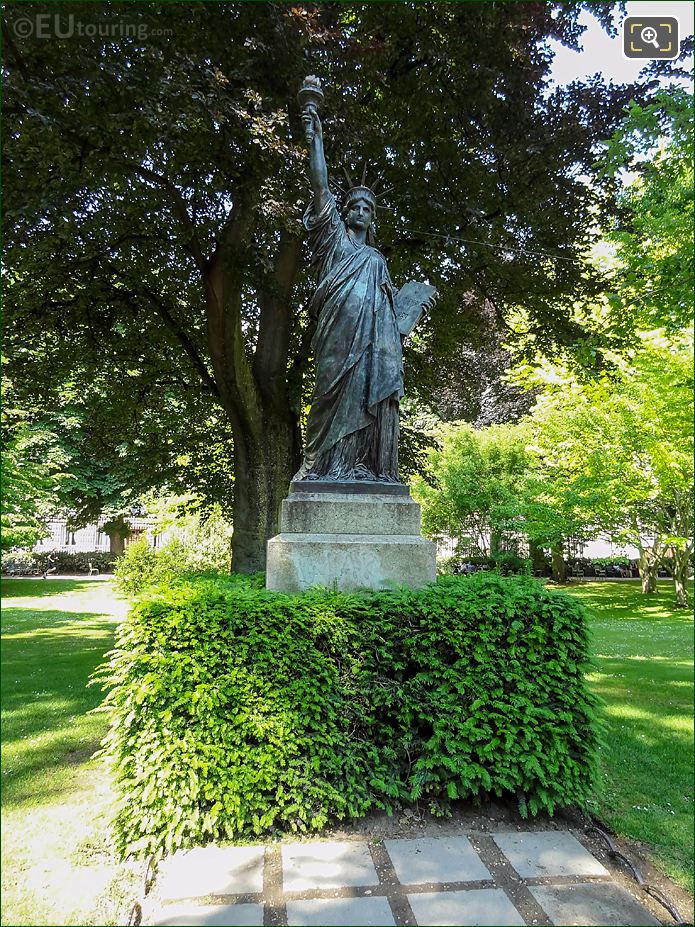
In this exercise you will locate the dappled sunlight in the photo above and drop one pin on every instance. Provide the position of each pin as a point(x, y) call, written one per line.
point(69, 597)
point(63, 629)
point(58, 856)
point(642, 650)
point(667, 661)
point(676, 723)
point(39, 588)
point(42, 716)
point(49, 652)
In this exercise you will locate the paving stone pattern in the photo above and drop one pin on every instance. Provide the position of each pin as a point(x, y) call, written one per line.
point(535, 878)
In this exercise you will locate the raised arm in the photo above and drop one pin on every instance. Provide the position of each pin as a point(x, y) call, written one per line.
point(318, 173)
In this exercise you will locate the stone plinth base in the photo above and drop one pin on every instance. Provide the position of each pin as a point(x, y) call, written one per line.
point(349, 541)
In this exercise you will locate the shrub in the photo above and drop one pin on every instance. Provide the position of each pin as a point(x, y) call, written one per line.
point(237, 711)
point(141, 566)
point(19, 562)
point(610, 561)
point(198, 544)
point(505, 562)
point(508, 563)
point(26, 562)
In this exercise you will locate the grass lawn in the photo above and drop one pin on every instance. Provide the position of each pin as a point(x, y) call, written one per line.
point(56, 864)
point(644, 650)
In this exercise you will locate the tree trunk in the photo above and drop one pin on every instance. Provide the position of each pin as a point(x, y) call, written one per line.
point(117, 531)
point(648, 569)
point(537, 556)
point(559, 567)
point(116, 536)
point(263, 469)
point(681, 569)
point(116, 542)
point(252, 390)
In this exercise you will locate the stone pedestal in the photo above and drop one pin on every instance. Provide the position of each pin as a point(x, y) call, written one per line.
point(349, 540)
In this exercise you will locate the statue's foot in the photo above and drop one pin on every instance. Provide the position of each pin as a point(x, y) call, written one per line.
point(304, 472)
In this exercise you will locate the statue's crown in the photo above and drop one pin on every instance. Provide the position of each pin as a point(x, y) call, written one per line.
point(361, 190)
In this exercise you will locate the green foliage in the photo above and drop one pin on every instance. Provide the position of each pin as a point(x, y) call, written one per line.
point(199, 543)
point(619, 448)
point(610, 561)
point(506, 563)
point(489, 486)
point(237, 711)
point(141, 566)
point(25, 491)
point(24, 562)
point(653, 233)
point(509, 563)
point(27, 483)
point(476, 476)
point(18, 562)
point(78, 562)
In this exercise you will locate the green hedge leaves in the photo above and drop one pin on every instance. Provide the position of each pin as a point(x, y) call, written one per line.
point(238, 711)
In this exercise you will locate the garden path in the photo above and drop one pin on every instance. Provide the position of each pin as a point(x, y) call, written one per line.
point(510, 877)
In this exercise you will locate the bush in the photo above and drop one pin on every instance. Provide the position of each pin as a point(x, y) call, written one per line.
point(238, 711)
point(18, 562)
point(509, 563)
point(505, 562)
point(199, 545)
point(141, 566)
point(26, 562)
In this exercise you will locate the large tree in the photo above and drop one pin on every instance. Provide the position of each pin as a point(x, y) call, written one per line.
point(155, 184)
point(623, 443)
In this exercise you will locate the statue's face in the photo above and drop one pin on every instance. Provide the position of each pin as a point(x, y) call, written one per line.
point(359, 215)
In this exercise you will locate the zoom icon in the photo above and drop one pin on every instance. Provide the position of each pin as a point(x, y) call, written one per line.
point(650, 37)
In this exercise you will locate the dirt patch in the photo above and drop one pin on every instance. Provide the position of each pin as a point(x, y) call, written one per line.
point(81, 754)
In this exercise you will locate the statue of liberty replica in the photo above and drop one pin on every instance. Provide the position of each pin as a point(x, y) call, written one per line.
point(352, 430)
point(348, 522)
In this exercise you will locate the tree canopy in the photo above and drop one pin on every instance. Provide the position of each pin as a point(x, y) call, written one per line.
point(155, 187)
point(607, 446)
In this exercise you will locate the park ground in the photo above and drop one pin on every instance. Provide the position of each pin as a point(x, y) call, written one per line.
point(56, 863)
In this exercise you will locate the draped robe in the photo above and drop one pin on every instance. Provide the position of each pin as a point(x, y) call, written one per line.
point(352, 430)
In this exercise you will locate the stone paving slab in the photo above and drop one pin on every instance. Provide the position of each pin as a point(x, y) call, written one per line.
point(216, 915)
point(535, 854)
point(591, 905)
point(511, 878)
point(213, 871)
point(481, 907)
point(327, 864)
point(436, 859)
point(334, 912)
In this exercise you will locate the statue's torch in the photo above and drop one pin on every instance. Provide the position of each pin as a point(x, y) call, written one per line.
point(310, 95)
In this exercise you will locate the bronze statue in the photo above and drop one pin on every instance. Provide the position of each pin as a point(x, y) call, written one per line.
point(352, 430)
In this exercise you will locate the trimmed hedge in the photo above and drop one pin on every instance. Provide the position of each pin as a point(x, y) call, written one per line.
point(26, 562)
point(238, 711)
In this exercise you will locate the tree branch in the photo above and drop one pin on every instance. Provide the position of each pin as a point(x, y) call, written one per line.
point(174, 327)
point(270, 359)
point(192, 242)
point(185, 341)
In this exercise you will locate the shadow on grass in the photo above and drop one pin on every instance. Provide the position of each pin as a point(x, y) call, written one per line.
point(47, 659)
point(35, 588)
point(626, 601)
point(37, 622)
